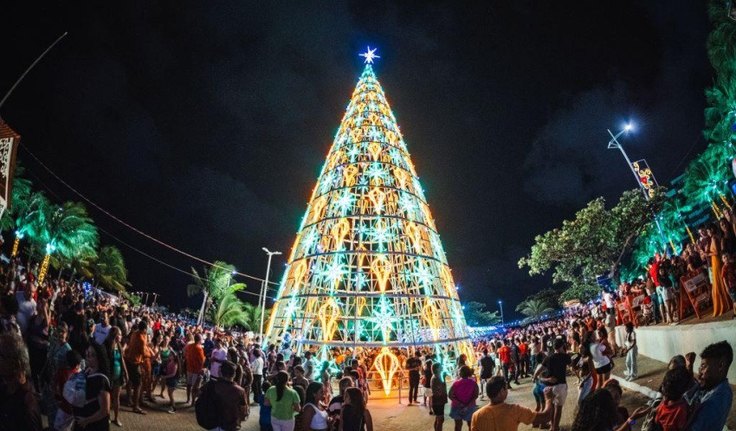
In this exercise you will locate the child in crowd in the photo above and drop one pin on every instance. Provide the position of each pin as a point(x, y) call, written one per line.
point(538, 390)
point(264, 417)
point(631, 351)
point(586, 381)
point(171, 377)
point(672, 412)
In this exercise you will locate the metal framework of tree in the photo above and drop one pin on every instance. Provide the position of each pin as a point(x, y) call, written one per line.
point(367, 268)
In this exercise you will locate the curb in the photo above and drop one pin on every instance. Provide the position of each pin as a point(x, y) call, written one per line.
point(632, 386)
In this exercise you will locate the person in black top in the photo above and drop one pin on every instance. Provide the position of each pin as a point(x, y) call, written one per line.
point(95, 414)
point(556, 366)
point(486, 371)
point(427, 383)
point(354, 416)
point(19, 409)
point(414, 364)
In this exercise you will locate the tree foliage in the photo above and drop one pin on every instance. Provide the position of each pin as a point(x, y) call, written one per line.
point(109, 269)
point(593, 243)
point(534, 308)
point(227, 309)
point(477, 315)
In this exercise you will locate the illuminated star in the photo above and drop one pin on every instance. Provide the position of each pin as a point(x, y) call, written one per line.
point(370, 55)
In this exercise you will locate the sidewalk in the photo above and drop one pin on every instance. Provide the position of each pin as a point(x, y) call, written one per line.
point(651, 373)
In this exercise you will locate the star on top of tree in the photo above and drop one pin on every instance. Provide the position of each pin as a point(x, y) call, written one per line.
point(370, 55)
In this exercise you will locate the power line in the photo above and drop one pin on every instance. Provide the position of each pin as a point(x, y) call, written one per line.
point(165, 263)
point(134, 229)
point(168, 265)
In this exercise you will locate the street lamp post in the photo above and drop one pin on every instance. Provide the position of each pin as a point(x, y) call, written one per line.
point(264, 287)
point(500, 306)
point(614, 144)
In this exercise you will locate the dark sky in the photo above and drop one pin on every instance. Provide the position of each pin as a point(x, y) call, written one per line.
point(206, 123)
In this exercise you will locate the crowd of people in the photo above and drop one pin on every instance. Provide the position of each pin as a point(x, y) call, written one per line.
point(581, 347)
point(71, 354)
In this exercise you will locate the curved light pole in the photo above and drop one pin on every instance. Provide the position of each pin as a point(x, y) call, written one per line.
point(264, 287)
point(614, 144)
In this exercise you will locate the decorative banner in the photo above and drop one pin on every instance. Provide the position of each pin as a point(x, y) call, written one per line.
point(646, 177)
point(9, 141)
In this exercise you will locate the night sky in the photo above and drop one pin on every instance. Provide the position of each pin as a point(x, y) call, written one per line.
point(207, 123)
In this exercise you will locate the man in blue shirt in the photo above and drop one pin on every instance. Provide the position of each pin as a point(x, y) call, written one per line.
point(713, 401)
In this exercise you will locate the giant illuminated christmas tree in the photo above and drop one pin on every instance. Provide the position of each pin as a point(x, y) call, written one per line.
point(367, 268)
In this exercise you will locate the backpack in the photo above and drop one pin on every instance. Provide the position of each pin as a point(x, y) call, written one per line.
point(205, 408)
point(75, 389)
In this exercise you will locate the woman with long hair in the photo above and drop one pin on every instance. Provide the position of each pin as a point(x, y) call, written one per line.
point(95, 415)
point(597, 412)
point(719, 296)
point(314, 414)
point(354, 416)
point(283, 401)
point(118, 372)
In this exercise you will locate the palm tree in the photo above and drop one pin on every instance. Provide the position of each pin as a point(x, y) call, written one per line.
point(707, 176)
point(534, 308)
point(253, 316)
point(66, 229)
point(109, 269)
point(20, 200)
point(228, 310)
point(217, 286)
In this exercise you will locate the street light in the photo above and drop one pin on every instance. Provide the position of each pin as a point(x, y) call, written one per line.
point(500, 305)
point(613, 144)
point(264, 287)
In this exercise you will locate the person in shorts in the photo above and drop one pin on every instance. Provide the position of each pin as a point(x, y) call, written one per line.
point(439, 396)
point(556, 365)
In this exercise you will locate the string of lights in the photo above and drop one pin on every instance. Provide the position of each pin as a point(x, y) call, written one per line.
point(133, 228)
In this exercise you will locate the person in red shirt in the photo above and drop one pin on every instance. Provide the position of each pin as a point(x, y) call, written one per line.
point(523, 357)
point(672, 412)
point(504, 355)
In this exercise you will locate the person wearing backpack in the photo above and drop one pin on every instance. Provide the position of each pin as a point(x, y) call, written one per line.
point(94, 414)
point(222, 405)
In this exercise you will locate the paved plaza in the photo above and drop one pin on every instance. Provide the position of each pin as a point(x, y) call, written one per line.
point(388, 414)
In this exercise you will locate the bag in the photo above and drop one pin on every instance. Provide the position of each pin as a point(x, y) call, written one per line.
point(205, 408)
point(650, 423)
point(75, 389)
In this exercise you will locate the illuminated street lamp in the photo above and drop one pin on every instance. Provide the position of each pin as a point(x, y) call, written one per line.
point(500, 306)
point(613, 144)
point(264, 287)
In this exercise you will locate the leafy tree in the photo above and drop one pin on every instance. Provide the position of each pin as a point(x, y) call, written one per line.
point(228, 310)
point(477, 315)
point(109, 269)
point(534, 308)
point(216, 283)
point(593, 243)
point(22, 190)
point(65, 229)
point(253, 316)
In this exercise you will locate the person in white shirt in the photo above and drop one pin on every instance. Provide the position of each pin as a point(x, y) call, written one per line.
point(26, 309)
point(256, 367)
point(102, 329)
point(218, 356)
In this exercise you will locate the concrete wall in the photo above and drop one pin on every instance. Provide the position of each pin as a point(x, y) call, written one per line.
point(664, 342)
